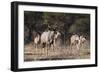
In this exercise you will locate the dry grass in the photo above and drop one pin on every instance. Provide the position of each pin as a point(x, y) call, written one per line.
point(33, 54)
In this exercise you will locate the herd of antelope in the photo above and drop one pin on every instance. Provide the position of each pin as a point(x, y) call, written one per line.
point(49, 38)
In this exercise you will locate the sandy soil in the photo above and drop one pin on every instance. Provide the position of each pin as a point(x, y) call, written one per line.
point(33, 54)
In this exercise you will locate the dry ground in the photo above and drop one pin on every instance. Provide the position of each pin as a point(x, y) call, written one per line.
point(33, 54)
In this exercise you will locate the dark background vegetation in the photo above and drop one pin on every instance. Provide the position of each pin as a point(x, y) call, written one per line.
point(66, 23)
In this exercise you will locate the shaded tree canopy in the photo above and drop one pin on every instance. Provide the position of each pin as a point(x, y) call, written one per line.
point(63, 22)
